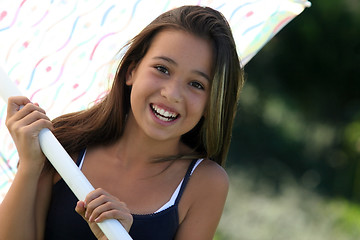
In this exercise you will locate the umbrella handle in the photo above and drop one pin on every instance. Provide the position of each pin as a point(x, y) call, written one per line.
point(76, 180)
point(64, 164)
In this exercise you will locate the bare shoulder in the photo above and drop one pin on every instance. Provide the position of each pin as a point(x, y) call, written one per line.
point(209, 183)
point(210, 175)
point(207, 189)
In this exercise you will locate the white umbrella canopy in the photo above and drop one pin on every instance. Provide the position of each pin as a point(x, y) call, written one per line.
point(61, 53)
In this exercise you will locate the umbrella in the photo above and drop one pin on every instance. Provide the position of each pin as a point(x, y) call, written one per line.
point(61, 53)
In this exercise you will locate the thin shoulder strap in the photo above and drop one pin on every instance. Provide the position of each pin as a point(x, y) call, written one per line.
point(80, 157)
point(185, 181)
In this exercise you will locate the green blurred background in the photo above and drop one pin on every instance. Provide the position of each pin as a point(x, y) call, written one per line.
point(294, 162)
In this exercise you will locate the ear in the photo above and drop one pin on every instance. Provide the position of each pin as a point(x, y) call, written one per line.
point(130, 73)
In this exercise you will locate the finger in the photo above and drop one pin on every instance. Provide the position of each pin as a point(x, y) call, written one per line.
point(94, 195)
point(14, 104)
point(20, 114)
point(80, 208)
point(104, 204)
point(41, 124)
point(123, 216)
point(27, 109)
point(108, 211)
point(36, 117)
point(108, 206)
point(94, 203)
point(31, 123)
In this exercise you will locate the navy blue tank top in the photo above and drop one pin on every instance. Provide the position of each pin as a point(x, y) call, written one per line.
point(64, 223)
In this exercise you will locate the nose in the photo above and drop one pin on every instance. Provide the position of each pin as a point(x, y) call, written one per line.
point(172, 90)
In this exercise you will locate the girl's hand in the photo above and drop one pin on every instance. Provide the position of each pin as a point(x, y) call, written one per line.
point(24, 126)
point(100, 205)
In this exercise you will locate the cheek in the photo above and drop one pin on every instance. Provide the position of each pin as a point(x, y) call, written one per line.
point(198, 106)
point(138, 88)
point(141, 92)
point(135, 96)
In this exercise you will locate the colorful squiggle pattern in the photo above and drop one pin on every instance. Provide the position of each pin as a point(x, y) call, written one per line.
point(61, 52)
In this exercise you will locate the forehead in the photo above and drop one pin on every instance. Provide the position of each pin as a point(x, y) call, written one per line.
point(184, 48)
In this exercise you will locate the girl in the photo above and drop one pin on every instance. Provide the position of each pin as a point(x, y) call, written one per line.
point(153, 147)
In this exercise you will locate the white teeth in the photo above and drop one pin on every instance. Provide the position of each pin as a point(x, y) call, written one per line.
point(165, 115)
point(164, 119)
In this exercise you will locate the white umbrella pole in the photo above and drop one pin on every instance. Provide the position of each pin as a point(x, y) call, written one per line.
point(64, 164)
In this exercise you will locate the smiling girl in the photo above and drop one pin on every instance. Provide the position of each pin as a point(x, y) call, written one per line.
point(153, 148)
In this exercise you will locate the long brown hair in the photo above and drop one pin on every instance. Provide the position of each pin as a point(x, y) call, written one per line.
point(104, 122)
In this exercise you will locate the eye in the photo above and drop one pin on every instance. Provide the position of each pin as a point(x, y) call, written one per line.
point(197, 85)
point(162, 69)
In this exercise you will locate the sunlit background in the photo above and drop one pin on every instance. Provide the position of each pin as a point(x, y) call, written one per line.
point(294, 160)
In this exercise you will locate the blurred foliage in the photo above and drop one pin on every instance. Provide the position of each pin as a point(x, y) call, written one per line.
point(255, 210)
point(299, 113)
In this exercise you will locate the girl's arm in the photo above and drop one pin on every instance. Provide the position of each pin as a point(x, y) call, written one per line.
point(22, 212)
point(24, 208)
point(204, 198)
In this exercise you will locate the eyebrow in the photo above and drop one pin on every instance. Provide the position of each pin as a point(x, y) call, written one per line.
point(173, 62)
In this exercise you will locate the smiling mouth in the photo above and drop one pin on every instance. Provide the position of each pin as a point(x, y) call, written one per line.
point(163, 114)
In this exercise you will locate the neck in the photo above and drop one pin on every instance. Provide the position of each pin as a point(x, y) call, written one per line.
point(135, 147)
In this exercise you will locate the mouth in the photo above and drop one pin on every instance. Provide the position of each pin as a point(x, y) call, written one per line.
point(162, 114)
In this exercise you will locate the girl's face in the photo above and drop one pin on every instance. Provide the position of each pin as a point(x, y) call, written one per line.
point(171, 85)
